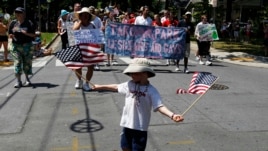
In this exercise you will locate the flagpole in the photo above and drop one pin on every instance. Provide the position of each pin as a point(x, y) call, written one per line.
point(84, 78)
point(198, 99)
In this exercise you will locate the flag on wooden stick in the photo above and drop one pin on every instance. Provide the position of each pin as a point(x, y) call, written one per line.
point(200, 83)
point(81, 55)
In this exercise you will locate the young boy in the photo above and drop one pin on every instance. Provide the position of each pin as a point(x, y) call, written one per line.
point(140, 98)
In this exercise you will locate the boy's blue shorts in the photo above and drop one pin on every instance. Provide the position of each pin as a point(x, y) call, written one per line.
point(134, 140)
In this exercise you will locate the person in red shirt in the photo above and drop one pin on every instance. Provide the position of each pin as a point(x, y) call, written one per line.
point(132, 18)
point(157, 20)
point(170, 21)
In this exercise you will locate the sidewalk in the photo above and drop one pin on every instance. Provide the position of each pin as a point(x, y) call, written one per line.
point(238, 58)
point(217, 54)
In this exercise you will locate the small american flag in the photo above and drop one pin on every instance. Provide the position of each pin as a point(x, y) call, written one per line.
point(200, 83)
point(81, 55)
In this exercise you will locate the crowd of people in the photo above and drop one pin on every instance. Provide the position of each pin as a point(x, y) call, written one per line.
point(237, 31)
point(99, 19)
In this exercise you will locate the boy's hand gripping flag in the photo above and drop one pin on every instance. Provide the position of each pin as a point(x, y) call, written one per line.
point(200, 83)
point(81, 55)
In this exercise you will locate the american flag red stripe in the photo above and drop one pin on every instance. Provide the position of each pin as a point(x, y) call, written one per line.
point(200, 83)
point(81, 55)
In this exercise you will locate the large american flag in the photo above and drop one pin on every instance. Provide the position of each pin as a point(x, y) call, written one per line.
point(81, 55)
point(200, 83)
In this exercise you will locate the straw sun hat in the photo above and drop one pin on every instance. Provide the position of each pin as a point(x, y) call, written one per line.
point(86, 10)
point(139, 65)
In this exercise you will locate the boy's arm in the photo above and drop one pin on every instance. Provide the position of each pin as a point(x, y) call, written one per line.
point(175, 117)
point(109, 87)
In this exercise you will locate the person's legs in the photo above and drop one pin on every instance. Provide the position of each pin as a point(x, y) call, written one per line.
point(197, 54)
point(79, 81)
point(134, 140)
point(186, 65)
point(27, 62)
point(89, 75)
point(126, 143)
point(64, 40)
point(5, 44)
point(16, 54)
point(108, 60)
point(177, 65)
point(186, 56)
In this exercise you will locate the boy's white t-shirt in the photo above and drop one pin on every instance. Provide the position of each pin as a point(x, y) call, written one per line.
point(137, 112)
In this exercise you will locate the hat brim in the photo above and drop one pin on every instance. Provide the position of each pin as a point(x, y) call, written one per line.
point(133, 68)
point(92, 15)
point(64, 14)
point(35, 43)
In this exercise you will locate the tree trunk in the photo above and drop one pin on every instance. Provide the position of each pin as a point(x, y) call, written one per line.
point(229, 10)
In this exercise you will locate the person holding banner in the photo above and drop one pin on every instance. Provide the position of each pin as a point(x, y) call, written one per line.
point(96, 21)
point(203, 43)
point(189, 27)
point(170, 22)
point(141, 97)
point(84, 22)
point(111, 18)
point(144, 19)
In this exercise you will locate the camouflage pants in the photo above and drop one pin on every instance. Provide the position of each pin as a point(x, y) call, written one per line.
point(22, 56)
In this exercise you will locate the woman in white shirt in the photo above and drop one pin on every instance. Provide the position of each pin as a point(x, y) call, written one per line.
point(84, 22)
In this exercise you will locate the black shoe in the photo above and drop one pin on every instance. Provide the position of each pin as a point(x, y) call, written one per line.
point(186, 70)
point(27, 84)
point(18, 84)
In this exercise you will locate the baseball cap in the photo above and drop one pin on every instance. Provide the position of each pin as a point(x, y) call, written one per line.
point(188, 13)
point(20, 9)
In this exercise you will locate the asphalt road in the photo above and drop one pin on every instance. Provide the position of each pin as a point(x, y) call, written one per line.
point(53, 116)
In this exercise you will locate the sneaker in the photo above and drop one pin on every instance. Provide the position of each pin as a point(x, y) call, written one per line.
point(108, 64)
point(186, 70)
point(177, 69)
point(197, 58)
point(78, 84)
point(201, 62)
point(168, 63)
point(86, 87)
point(96, 67)
point(27, 83)
point(208, 63)
point(18, 84)
point(114, 63)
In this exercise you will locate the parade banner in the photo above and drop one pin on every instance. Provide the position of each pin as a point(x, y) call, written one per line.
point(208, 32)
point(145, 41)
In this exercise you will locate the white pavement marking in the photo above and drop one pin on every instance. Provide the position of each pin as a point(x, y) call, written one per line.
point(129, 60)
point(59, 63)
point(42, 61)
